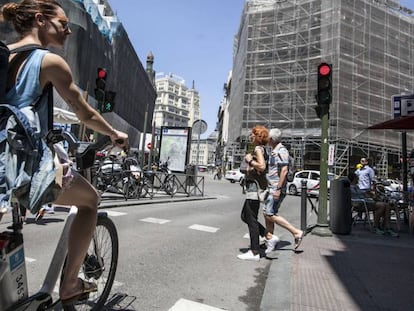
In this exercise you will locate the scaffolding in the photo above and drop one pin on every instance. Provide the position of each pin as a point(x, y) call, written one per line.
point(370, 44)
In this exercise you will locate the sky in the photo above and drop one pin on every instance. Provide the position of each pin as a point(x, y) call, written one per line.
point(192, 39)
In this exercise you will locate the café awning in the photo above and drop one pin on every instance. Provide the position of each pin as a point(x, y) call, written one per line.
point(401, 123)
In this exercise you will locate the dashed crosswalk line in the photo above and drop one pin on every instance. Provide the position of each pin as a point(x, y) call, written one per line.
point(155, 220)
point(187, 305)
point(204, 228)
point(115, 214)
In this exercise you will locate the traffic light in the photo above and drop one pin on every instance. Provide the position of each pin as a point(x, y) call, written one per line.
point(324, 95)
point(100, 87)
point(108, 104)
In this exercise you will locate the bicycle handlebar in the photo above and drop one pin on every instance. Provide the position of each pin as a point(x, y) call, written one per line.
point(85, 151)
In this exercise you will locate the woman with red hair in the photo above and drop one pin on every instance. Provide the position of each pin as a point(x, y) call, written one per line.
point(257, 162)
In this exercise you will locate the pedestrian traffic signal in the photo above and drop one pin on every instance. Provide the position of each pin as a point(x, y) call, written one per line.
point(109, 103)
point(324, 95)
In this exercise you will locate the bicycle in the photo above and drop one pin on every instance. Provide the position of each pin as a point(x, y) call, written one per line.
point(162, 180)
point(99, 265)
point(121, 176)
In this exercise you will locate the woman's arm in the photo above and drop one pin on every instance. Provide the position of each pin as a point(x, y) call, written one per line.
point(55, 70)
point(258, 161)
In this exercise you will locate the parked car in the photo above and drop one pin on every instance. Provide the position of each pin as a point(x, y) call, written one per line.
point(312, 177)
point(234, 175)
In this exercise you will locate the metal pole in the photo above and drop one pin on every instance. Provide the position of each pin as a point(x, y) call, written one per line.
point(198, 151)
point(404, 161)
point(143, 138)
point(151, 151)
point(321, 228)
point(303, 211)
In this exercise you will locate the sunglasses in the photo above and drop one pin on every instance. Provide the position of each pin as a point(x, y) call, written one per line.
point(64, 24)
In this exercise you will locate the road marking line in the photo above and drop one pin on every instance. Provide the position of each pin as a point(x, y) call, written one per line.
point(28, 259)
point(185, 305)
point(155, 220)
point(203, 228)
point(115, 214)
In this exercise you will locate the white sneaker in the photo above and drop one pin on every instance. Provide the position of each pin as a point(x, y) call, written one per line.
point(249, 256)
point(271, 244)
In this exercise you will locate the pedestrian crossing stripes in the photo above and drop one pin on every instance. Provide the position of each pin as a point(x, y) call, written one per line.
point(185, 305)
point(155, 220)
point(204, 228)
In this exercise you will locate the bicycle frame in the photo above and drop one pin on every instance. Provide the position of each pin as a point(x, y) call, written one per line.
point(44, 295)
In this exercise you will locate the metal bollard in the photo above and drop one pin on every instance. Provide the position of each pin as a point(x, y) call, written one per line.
point(303, 225)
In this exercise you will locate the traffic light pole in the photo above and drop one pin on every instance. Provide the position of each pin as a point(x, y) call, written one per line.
point(321, 228)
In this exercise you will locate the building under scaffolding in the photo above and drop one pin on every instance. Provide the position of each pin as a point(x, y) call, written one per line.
point(370, 44)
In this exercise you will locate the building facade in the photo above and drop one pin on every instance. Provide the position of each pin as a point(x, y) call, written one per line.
point(277, 50)
point(205, 149)
point(176, 104)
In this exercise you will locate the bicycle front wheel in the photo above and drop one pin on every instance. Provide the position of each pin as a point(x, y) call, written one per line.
point(100, 265)
point(171, 186)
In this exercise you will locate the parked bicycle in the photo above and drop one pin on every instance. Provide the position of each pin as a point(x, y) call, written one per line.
point(99, 265)
point(162, 179)
point(116, 174)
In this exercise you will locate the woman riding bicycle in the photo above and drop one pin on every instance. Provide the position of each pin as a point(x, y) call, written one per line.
point(44, 23)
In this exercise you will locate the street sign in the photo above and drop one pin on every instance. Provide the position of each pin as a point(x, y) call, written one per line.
point(402, 105)
point(149, 146)
point(199, 127)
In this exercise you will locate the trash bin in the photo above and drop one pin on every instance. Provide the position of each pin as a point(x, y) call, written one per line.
point(340, 206)
point(190, 172)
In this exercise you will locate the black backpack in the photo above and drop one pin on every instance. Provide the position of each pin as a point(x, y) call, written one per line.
point(27, 172)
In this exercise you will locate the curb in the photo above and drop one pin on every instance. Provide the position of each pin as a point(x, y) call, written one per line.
point(121, 202)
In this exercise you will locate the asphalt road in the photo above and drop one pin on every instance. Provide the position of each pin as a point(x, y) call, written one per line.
point(171, 255)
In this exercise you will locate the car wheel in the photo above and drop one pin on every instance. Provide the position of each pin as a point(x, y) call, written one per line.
point(293, 190)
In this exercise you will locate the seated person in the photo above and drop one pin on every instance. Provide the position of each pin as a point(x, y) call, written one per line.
point(381, 209)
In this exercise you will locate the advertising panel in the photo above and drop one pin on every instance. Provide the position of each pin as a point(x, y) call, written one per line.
point(175, 147)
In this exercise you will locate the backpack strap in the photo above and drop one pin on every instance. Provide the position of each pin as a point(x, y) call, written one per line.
point(22, 53)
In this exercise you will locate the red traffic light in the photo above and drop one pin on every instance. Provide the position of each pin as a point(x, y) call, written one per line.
point(324, 69)
point(102, 73)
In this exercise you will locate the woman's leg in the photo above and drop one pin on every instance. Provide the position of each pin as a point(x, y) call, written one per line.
point(85, 198)
point(249, 216)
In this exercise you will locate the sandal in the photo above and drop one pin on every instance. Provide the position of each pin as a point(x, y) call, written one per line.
point(299, 240)
point(87, 287)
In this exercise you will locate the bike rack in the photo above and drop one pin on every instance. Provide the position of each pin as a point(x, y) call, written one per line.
point(192, 185)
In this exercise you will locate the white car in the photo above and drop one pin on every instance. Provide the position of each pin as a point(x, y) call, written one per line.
point(312, 178)
point(234, 175)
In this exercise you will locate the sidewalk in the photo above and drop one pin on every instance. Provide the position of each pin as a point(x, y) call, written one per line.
point(360, 271)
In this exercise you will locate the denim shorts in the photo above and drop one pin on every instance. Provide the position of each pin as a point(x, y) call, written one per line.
point(271, 207)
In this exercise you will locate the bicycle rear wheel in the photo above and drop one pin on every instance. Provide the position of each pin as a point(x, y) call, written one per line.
point(100, 265)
